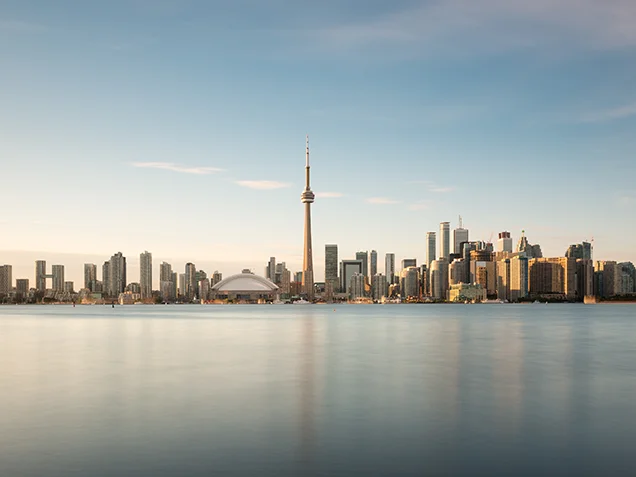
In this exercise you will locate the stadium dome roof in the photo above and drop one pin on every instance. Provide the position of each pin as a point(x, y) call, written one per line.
point(245, 282)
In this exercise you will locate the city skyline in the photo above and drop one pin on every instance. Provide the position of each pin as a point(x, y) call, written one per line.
point(139, 132)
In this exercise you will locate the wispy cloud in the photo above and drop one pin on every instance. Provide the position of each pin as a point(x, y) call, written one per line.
point(329, 195)
point(620, 112)
point(382, 200)
point(171, 166)
point(263, 185)
point(493, 25)
point(420, 205)
point(441, 190)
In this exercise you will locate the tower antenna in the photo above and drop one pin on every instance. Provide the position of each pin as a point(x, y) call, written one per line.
point(460, 222)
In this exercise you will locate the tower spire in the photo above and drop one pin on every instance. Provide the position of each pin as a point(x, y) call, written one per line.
point(307, 197)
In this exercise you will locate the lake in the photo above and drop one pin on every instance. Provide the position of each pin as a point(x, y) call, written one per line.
point(318, 390)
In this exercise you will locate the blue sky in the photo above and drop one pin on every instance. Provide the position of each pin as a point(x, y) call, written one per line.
point(178, 127)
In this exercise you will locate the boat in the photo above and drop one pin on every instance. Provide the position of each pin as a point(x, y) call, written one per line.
point(302, 301)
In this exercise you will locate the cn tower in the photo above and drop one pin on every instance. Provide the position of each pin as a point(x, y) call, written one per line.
point(307, 198)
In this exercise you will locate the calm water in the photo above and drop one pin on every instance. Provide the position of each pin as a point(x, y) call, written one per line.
point(317, 390)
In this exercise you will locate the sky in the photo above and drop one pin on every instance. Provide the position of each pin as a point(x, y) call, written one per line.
point(178, 127)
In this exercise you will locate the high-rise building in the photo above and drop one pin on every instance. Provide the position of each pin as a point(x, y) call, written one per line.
point(106, 278)
point(584, 278)
point(439, 279)
point(364, 258)
point(58, 278)
point(22, 286)
point(389, 268)
point(552, 276)
point(6, 279)
point(347, 269)
point(182, 285)
point(204, 289)
point(460, 235)
point(356, 286)
point(531, 251)
point(40, 275)
point(166, 284)
point(504, 244)
point(307, 198)
point(90, 276)
point(331, 266)
point(410, 282)
point(457, 271)
point(628, 278)
point(444, 240)
point(610, 278)
point(431, 248)
point(379, 286)
point(69, 287)
point(216, 277)
point(117, 274)
point(518, 288)
point(190, 281)
point(373, 264)
point(270, 270)
point(580, 250)
point(145, 274)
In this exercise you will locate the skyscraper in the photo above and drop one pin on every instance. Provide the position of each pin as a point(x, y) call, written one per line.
point(6, 279)
point(166, 285)
point(347, 269)
point(90, 276)
point(106, 278)
point(145, 274)
point(331, 265)
point(460, 235)
point(444, 240)
point(117, 274)
point(389, 268)
point(431, 248)
point(364, 258)
point(190, 280)
point(307, 198)
point(270, 270)
point(504, 244)
point(58, 278)
point(373, 264)
point(40, 275)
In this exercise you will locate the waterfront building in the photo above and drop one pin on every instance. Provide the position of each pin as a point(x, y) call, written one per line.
point(503, 279)
point(167, 286)
point(204, 289)
point(347, 269)
point(307, 198)
point(21, 286)
point(364, 258)
point(457, 271)
point(584, 278)
point(553, 276)
point(504, 244)
point(90, 276)
point(117, 274)
point(431, 248)
point(379, 286)
point(58, 278)
point(40, 275)
point(460, 236)
point(410, 282)
point(182, 285)
point(373, 264)
point(628, 278)
point(244, 287)
point(356, 286)
point(216, 277)
point(145, 275)
point(389, 268)
point(518, 288)
point(331, 266)
point(190, 288)
point(608, 276)
point(444, 240)
point(106, 278)
point(438, 276)
point(6, 279)
point(460, 292)
point(270, 270)
point(69, 287)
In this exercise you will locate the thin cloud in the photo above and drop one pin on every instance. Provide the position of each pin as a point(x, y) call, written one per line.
point(493, 25)
point(171, 166)
point(263, 185)
point(620, 112)
point(382, 200)
point(441, 190)
point(421, 205)
point(329, 195)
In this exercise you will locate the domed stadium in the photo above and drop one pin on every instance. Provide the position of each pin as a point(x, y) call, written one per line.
point(245, 287)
